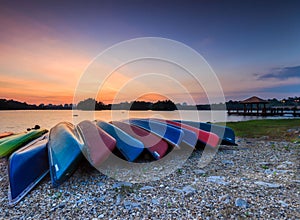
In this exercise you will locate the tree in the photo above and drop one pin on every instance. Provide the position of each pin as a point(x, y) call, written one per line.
point(87, 104)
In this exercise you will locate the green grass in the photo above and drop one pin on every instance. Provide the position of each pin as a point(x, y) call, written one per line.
point(264, 167)
point(273, 129)
point(179, 171)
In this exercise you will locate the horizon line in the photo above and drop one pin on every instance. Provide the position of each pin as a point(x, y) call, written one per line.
point(183, 103)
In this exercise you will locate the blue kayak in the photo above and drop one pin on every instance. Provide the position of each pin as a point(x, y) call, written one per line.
point(130, 147)
point(64, 149)
point(26, 168)
point(170, 134)
point(226, 134)
point(189, 137)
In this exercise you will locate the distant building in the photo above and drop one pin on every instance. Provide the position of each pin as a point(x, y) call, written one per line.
point(254, 101)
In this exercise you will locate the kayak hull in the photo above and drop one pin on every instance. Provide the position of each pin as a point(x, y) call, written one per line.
point(154, 144)
point(98, 144)
point(6, 134)
point(64, 149)
point(26, 168)
point(170, 134)
point(130, 147)
point(12, 143)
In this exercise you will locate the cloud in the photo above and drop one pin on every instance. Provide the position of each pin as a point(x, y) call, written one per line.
point(281, 73)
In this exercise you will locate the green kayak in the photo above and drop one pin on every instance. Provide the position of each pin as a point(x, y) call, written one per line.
point(2, 140)
point(10, 144)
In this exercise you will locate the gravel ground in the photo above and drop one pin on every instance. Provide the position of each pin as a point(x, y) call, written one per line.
point(257, 179)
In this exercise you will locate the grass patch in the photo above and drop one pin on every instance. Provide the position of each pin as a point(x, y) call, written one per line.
point(169, 204)
point(179, 171)
point(276, 129)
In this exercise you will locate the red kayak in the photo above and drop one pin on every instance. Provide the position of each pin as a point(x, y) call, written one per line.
point(154, 144)
point(204, 137)
point(5, 134)
point(98, 145)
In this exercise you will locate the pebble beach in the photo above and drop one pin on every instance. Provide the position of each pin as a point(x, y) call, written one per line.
point(258, 179)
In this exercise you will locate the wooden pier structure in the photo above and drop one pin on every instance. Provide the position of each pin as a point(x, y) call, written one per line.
point(255, 106)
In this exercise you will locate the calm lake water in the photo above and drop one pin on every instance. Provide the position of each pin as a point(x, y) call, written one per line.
point(20, 120)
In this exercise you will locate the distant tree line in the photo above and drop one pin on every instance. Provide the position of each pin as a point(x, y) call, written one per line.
point(166, 105)
point(92, 104)
point(16, 105)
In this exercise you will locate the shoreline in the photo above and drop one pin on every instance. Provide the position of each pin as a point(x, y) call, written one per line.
point(257, 179)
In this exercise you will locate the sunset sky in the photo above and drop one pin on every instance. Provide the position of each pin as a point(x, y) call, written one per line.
point(252, 46)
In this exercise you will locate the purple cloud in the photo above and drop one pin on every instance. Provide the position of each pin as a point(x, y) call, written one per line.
point(281, 73)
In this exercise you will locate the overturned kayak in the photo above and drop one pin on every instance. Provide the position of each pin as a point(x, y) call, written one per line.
point(154, 144)
point(226, 134)
point(2, 140)
point(206, 138)
point(170, 134)
point(98, 144)
point(26, 168)
point(12, 143)
point(64, 148)
point(130, 147)
point(6, 134)
point(189, 136)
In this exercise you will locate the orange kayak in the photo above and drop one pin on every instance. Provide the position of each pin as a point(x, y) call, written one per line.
point(5, 134)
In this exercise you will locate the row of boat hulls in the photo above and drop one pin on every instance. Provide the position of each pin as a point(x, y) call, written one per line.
point(61, 151)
